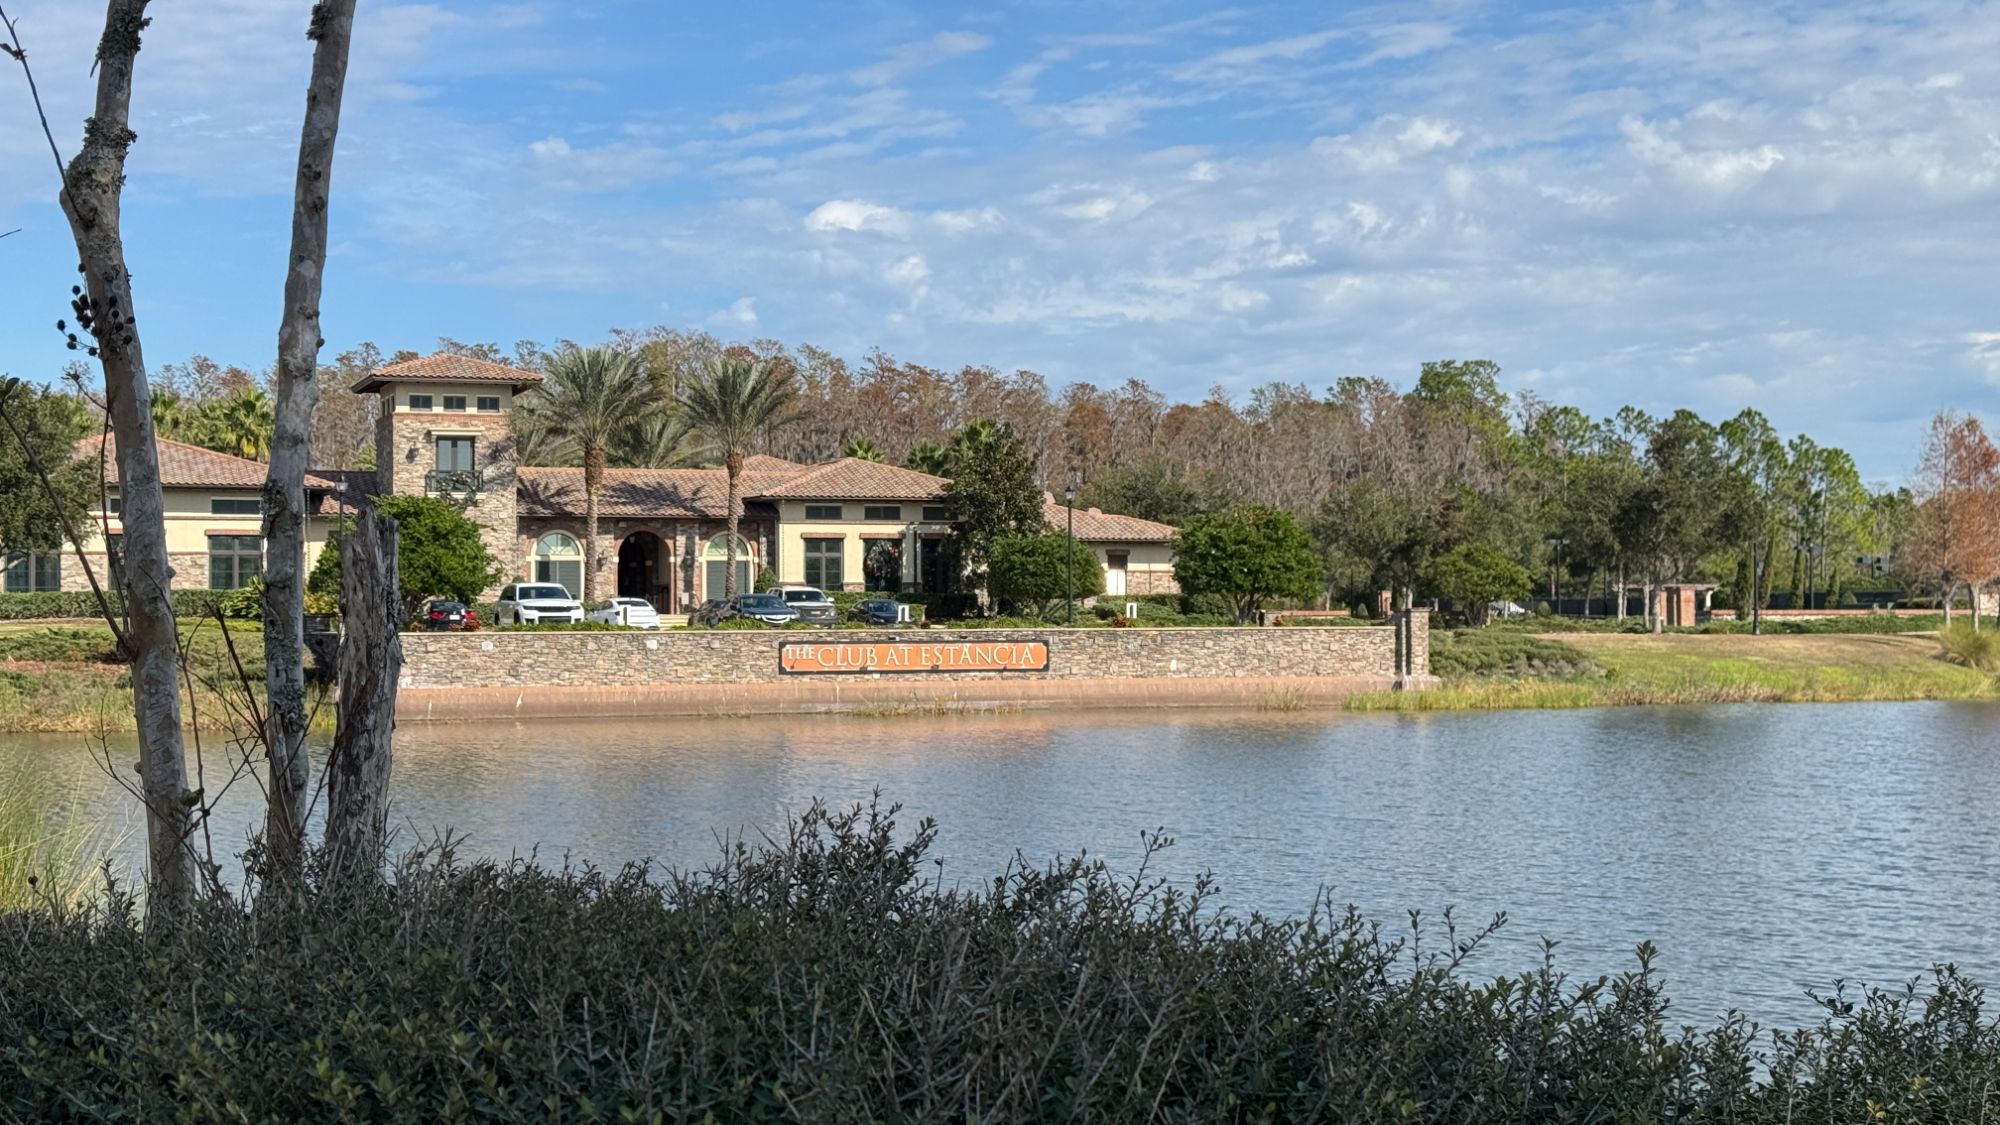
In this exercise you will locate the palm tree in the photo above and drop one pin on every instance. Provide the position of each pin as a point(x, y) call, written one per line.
point(928, 457)
point(593, 393)
point(729, 402)
point(654, 441)
point(536, 441)
point(861, 449)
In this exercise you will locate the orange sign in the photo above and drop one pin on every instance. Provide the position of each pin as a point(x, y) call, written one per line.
point(914, 656)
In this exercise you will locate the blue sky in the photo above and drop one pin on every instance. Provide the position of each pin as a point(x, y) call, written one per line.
point(1708, 205)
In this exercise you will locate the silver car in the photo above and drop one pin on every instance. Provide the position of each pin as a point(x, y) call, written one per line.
point(812, 604)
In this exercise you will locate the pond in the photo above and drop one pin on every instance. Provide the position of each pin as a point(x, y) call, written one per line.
point(1764, 849)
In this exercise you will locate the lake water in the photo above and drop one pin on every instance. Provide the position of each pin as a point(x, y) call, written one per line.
point(1764, 849)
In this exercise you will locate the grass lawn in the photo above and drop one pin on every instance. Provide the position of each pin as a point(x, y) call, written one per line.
point(1635, 669)
point(56, 676)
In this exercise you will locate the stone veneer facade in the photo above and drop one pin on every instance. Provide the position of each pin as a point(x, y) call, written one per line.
point(406, 452)
point(521, 675)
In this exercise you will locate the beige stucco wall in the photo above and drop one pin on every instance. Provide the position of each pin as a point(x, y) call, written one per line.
point(855, 534)
point(398, 397)
point(189, 524)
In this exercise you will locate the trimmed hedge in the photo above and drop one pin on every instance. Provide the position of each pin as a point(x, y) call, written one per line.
point(830, 977)
point(80, 603)
point(1503, 652)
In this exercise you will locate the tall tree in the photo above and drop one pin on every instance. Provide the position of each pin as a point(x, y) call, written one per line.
point(297, 381)
point(92, 189)
point(594, 394)
point(1955, 532)
point(992, 494)
point(1756, 468)
point(730, 402)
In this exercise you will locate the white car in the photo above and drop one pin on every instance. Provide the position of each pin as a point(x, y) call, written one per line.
point(636, 612)
point(537, 603)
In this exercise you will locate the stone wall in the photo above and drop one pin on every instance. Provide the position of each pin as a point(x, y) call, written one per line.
point(516, 675)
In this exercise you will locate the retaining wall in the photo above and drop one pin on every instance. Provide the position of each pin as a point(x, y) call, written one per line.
point(465, 676)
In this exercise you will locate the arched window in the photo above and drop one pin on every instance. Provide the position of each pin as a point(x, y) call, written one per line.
point(559, 559)
point(716, 558)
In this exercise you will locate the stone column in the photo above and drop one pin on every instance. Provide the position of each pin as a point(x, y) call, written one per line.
point(1413, 650)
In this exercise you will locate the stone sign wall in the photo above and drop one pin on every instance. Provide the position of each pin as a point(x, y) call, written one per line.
point(514, 675)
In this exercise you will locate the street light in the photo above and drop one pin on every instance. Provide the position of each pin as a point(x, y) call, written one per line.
point(1069, 506)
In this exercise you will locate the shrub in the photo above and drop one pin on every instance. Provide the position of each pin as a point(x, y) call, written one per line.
point(80, 603)
point(830, 977)
point(1035, 573)
point(1974, 649)
point(1498, 652)
point(1248, 556)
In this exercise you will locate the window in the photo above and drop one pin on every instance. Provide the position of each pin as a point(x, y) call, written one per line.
point(33, 572)
point(235, 506)
point(114, 504)
point(420, 402)
point(454, 454)
point(936, 513)
point(882, 565)
point(454, 402)
point(882, 512)
point(233, 560)
point(823, 563)
point(114, 557)
point(716, 558)
point(559, 559)
point(823, 512)
point(488, 404)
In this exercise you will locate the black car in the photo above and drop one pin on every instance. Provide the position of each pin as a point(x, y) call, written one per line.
point(449, 615)
point(878, 611)
point(767, 608)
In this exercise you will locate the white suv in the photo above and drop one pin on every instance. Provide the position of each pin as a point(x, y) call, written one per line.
point(535, 603)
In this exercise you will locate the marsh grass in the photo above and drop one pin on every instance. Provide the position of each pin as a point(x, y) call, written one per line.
point(1637, 670)
point(47, 855)
point(1978, 649)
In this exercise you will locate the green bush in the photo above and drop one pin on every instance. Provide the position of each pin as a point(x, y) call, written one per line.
point(1503, 652)
point(830, 977)
point(80, 603)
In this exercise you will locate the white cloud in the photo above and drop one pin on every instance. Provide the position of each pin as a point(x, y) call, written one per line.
point(855, 215)
point(741, 313)
point(1984, 350)
point(901, 61)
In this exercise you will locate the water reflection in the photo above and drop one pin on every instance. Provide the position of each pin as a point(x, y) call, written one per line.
point(1765, 849)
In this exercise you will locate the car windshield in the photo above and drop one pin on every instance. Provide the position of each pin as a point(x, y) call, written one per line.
point(804, 596)
point(531, 593)
point(446, 607)
point(633, 602)
point(761, 601)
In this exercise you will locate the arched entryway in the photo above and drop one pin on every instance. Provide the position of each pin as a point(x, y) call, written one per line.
point(645, 570)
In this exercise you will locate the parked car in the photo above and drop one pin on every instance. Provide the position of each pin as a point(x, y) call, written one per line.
point(712, 612)
point(636, 612)
point(537, 603)
point(768, 608)
point(814, 607)
point(879, 611)
point(448, 615)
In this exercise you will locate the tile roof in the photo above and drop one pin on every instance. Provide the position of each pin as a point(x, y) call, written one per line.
point(444, 367)
point(851, 478)
point(191, 466)
point(1093, 526)
point(627, 493)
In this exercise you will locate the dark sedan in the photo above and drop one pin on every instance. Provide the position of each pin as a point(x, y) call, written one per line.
point(446, 615)
point(878, 611)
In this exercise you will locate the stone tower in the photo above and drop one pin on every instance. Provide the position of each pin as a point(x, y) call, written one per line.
point(444, 430)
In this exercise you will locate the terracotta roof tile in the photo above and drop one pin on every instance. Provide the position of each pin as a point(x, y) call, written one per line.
point(191, 466)
point(1093, 526)
point(627, 493)
point(444, 367)
point(851, 478)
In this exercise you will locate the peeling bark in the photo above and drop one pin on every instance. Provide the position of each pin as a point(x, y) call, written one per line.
point(297, 380)
point(91, 197)
point(371, 660)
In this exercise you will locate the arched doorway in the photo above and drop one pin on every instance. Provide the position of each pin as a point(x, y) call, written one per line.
point(645, 570)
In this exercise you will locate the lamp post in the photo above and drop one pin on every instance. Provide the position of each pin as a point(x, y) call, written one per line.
point(1069, 507)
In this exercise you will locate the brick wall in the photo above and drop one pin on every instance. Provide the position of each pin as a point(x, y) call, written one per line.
point(491, 674)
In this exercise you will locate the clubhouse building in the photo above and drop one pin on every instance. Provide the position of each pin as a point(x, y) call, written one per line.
point(444, 429)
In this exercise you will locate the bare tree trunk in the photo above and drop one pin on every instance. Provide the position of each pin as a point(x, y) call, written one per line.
point(297, 380)
point(371, 660)
point(732, 464)
point(92, 186)
point(593, 479)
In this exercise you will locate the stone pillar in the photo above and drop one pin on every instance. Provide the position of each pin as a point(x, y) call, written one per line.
point(1413, 650)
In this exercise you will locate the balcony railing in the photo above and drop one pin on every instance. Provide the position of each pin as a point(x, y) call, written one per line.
point(452, 482)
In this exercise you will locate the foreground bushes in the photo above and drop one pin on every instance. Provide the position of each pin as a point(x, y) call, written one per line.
point(81, 603)
point(826, 980)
